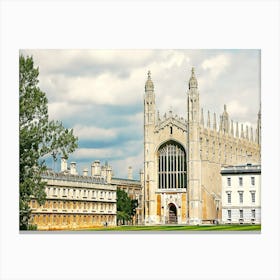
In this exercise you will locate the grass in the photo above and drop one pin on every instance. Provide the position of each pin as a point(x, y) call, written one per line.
point(180, 228)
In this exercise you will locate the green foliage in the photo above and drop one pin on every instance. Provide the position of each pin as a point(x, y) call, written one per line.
point(126, 207)
point(32, 227)
point(134, 205)
point(37, 138)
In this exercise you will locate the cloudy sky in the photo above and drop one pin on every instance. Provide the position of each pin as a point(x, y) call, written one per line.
point(100, 93)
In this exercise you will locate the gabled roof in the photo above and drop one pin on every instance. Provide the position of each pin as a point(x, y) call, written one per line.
point(172, 121)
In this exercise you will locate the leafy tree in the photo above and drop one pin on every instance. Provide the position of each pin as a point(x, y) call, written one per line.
point(126, 207)
point(38, 137)
point(134, 205)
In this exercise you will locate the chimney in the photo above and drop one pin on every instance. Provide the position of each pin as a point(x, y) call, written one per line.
point(85, 172)
point(109, 174)
point(130, 176)
point(95, 168)
point(73, 170)
point(63, 164)
point(103, 171)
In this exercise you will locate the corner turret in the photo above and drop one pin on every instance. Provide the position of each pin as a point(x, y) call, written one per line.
point(149, 86)
point(193, 81)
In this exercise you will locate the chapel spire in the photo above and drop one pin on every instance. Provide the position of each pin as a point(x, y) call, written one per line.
point(193, 81)
point(237, 130)
point(225, 120)
point(247, 133)
point(149, 104)
point(214, 122)
point(208, 119)
point(149, 86)
point(193, 113)
point(242, 131)
point(259, 127)
point(251, 135)
point(231, 128)
point(202, 118)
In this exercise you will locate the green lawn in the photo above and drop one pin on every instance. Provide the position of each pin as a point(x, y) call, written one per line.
point(180, 228)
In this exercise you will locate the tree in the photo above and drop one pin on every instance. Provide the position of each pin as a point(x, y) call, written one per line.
point(126, 207)
point(38, 137)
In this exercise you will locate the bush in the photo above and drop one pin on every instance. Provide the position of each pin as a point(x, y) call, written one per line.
point(31, 227)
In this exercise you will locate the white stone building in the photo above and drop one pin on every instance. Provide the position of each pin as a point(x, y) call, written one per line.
point(241, 197)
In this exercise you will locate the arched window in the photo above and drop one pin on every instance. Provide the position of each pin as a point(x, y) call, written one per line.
point(171, 166)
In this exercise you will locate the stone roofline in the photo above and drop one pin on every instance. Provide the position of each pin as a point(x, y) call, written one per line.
point(66, 176)
point(73, 178)
point(174, 120)
point(240, 169)
point(180, 122)
point(125, 181)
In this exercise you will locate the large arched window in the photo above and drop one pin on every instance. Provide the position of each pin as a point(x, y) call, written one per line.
point(171, 166)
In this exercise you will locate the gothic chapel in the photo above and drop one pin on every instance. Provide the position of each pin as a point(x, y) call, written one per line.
point(183, 159)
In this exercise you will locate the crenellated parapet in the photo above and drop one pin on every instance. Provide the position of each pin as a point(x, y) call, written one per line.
point(229, 127)
point(230, 143)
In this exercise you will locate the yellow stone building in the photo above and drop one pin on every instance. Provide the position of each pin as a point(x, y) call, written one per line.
point(81, 201)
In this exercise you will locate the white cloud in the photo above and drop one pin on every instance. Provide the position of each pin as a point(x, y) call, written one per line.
point(92, 153)
point(82, 85)
point(172, 58)
point(63, 109)
point(104, 89)
point(216, 65)
point(93, 133)
point(121, 166)
point(135, 118)
point(236, 109)
point(70, 61)
point(176, 105)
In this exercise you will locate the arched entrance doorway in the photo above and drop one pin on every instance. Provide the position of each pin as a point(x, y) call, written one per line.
point(172, 214)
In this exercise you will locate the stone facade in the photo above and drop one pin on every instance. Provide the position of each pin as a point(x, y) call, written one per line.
point(75, 201)
point(241, 200)
point(83, 201)
point(183, 159)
